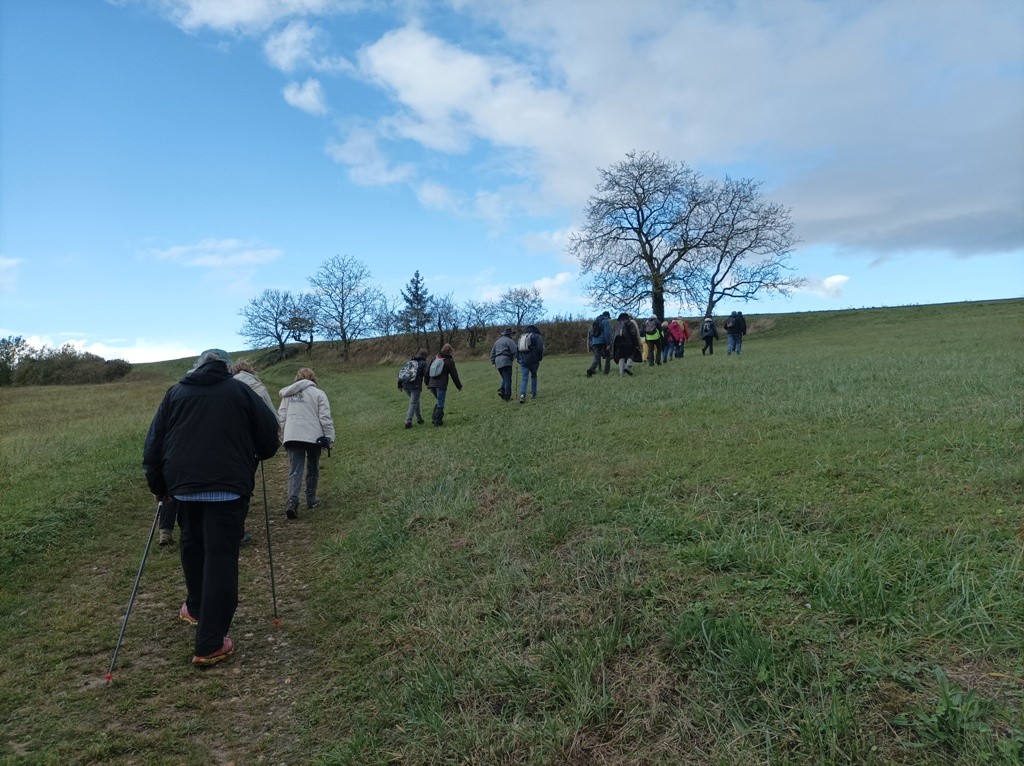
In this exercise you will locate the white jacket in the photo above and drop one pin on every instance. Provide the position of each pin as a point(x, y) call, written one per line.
point(256, 385)
point(305, 413)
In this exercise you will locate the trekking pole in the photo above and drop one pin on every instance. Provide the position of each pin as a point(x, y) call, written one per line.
point(270, 552)
point(135, 590)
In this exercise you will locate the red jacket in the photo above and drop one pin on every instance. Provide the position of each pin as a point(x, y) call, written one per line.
point(678, 332)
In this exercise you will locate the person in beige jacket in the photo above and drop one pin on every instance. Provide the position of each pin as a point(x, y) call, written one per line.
point(306, 428)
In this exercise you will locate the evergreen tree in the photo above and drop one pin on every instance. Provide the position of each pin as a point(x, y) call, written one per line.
point(416, 317)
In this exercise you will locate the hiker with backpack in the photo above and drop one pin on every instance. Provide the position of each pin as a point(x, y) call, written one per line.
point(709, 332)
point(503, 354)
point(599, 341)
point(441, 370)
point(306, 429)
point(410, 380)
point(653, 335)
point(531, 351)
point(735, 328)
point(626, 344)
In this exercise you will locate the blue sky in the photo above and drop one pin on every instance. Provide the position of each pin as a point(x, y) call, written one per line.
point(164, 161)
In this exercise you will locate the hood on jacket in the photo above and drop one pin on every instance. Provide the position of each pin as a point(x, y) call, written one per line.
point(296, 387)
point(207, 374)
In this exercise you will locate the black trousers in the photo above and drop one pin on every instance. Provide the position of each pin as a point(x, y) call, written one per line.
point(210, 540)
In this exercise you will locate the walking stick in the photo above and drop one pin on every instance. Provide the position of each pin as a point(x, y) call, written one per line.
point(135, 590)
point(270, 551)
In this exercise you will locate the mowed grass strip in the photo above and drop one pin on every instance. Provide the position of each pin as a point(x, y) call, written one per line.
point(808, 554)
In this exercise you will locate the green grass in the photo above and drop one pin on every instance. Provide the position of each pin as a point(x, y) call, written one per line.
point(810, 554)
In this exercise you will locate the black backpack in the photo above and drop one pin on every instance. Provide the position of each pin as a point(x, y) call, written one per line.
point(597, 329)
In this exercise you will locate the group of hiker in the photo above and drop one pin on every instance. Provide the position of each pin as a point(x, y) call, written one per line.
point(215, 426)
point(200, 458)
point(664, 340)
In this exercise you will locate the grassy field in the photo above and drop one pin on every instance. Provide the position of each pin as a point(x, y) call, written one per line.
point(809, 554)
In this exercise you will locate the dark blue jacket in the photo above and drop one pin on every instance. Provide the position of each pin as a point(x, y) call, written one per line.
point(530, 359)
point(605, 338)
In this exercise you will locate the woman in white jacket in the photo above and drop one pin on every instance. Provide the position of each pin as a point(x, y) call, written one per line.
point(305, 417)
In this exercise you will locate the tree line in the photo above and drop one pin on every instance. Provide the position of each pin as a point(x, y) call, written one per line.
point(343, 305)
point(654, 230)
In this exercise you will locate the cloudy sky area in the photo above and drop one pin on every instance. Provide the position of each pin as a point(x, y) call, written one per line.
point(163, 161)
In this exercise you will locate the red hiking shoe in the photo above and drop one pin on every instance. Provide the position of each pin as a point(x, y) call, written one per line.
point(225, 651)
point(185, 616)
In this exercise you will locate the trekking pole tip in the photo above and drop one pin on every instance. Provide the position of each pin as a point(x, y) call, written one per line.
point(109, 678)
point(277, 622)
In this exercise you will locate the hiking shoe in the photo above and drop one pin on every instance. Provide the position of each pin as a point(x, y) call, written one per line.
point(166, 537)
point(185, 616)
point(522, 399)
point(225, 651)
point(409, 424)
point(292, 511)
point(419, 420)
point(313, 503)
point(246, 538)
point(590, 373)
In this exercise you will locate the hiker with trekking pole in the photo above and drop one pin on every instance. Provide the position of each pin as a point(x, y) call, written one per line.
point(202, 450)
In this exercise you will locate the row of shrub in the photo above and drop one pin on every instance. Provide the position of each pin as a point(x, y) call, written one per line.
point(22, 365)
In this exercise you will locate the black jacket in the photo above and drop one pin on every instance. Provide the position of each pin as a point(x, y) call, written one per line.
point(208, 435)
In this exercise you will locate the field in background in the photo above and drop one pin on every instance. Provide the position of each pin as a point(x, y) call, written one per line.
point(809, 554)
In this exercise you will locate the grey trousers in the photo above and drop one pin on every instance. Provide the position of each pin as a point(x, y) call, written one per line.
point(303, 456)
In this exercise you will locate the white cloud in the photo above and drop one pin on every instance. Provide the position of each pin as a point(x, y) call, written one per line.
point(437, 196)
point(367, 164)
point(218, 254)
point(8, 273)
point(836, 106)
point(244, 15)
point(560, 288)
point(300, 45)
point(829, 287)
point(309, 96)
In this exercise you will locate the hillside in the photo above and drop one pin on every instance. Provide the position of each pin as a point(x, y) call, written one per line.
point(808, 554)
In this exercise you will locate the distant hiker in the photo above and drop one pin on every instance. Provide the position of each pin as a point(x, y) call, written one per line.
point(709, 332)
point(653, 336)
point(682, 336)
point(675, 337)
point(243, 372)
point(202, 450)
point(668, 344)
point(410, 380)
point(599, 340)
point(503, 355)
point(735, 328)
point(531, 351)
point(626, 344)
point(306, 429)
point(441, 369)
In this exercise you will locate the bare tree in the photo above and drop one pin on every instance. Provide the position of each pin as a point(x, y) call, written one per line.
point(446, 318)
point(520, 305)
point(643, 224)
point(302, 324)
point(266, 319)
point(749, 250)
point(477, 316)
point(345, 300)
point(387, 317)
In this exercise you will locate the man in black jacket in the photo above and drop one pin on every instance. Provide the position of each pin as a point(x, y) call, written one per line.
point(202, 449)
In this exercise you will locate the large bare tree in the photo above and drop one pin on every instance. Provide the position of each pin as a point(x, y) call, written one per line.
point(749, 250)
point(266, 319)
point(346, 300)
point(654, 229)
